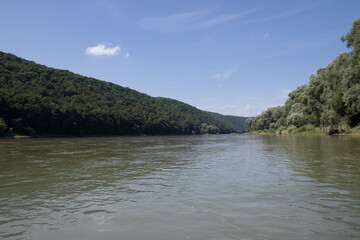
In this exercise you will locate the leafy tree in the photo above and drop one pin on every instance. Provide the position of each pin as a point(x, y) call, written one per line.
point(331, 100)
point(3, 127)
point(352, 39)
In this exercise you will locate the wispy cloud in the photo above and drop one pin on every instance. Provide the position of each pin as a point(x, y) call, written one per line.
point(246, 111)
point(282, 15)
point(245, 105)
point(225, 75)
point(171, 22)
point(220, 19)
point(102, 49)
point(187, 20)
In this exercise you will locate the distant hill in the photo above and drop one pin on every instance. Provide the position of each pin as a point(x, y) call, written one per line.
point(38, 100)
point(238, 123)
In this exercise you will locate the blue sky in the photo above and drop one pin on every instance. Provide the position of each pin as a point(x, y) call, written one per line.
point(232, 57)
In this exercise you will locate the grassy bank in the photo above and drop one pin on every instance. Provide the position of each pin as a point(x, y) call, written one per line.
point(355, 130)
point(302, 131)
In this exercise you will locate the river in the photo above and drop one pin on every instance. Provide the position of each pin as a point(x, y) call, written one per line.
point(180, 187)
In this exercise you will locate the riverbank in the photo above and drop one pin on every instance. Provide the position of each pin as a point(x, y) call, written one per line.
point(302, 132)
point(18, 136)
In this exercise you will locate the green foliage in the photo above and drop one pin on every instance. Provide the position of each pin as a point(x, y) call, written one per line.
point(272, 118)
point(35, 99)
point(3, 127)
point(235, 122)
point(352, 39)
point(292, 129)
point(304, 128)
point(351, 99)
point(297, 119)
point(330, 101)
point(356, 130)
point(209, 129)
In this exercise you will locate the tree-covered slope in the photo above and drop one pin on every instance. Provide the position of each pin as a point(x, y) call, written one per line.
point(330, 101)
point(238, 123)
point(35, 99)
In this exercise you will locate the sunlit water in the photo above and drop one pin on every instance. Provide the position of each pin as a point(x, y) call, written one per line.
point(180, 187)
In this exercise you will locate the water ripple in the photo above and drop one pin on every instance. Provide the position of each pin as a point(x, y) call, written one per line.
point(180, 187)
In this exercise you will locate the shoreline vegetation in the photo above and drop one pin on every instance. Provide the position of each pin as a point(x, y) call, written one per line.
point(20, 136)
point(36, 100)
point(304, 132)
point(39, 101)
point(328, 104)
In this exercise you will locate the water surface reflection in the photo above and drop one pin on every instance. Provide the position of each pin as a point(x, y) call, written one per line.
point(181, 187)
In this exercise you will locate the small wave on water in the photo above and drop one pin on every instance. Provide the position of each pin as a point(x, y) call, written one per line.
point(180, 187)
point(97, 211)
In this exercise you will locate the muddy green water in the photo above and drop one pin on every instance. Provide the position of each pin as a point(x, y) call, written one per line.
point(180, 187)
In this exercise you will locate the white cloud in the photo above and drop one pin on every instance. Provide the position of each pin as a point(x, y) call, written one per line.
point(225, 75)
point(247, 111)
point(246, 106)
point(127, 55)
point(102, 49)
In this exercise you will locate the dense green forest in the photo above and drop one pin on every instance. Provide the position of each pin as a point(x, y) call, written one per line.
point(38, 100)
point(331, 100)
point(236, 122)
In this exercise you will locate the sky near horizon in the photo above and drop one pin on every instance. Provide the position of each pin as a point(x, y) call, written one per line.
point(231, 57)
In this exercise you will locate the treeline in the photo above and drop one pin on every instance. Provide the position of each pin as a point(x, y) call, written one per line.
point(38, 100)
point(331, 100)
point(238, 123)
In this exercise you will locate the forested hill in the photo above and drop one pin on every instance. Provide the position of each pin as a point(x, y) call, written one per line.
point(331, 100)
point(238, 123)
point(35, 99)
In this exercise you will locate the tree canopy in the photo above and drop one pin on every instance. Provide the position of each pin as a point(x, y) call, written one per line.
point(331, 99)
point(35, 99)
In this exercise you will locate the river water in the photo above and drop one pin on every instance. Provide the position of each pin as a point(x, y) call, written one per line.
point(180, 187)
